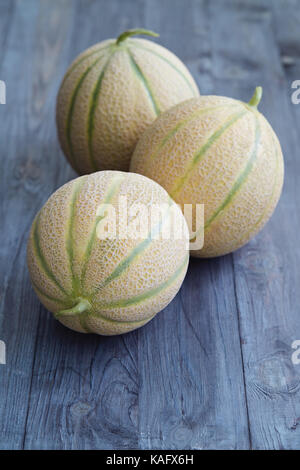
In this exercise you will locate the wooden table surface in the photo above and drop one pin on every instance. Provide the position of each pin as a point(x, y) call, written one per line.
point(214, 369)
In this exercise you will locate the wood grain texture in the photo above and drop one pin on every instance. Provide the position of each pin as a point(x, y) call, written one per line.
point(266, 271)
point(214, 369)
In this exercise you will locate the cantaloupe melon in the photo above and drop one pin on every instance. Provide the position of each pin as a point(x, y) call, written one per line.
point(107, 284)
point(111, 93)
point(219, 152)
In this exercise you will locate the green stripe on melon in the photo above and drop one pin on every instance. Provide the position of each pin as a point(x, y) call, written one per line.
point(79, 61)
point(181, 124)
point(141, 76)
point(186, 79)
point(270, 205)
point(105, 136)
point(70, 241)
point(41, 258)
point(241, 178)
point(71, 110)
point(111, 193)
point(137, 251)
point(91, 113)
point(231, 163)
point(202, 152)
point(47, 296)
point(83, 306)
point(147, 295)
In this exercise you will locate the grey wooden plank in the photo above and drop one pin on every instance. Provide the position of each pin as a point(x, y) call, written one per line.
point(26, 181)
point(191, 387)
point(6, 16)
point(16, 199)
point(84, 388)
point(84, 391)
point(183, 28)
point(178, 382)
point(267, 269)
point(84, 394)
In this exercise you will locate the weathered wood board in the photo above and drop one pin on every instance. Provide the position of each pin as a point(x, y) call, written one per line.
point(214, 369)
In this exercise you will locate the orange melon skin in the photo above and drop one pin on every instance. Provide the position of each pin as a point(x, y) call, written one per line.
point(219, 152)
point(112, 285)
point(108, 97)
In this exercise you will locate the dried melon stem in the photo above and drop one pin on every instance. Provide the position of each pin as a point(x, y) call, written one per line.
point(255, 100)
point(134, 32)
point(83, 305)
